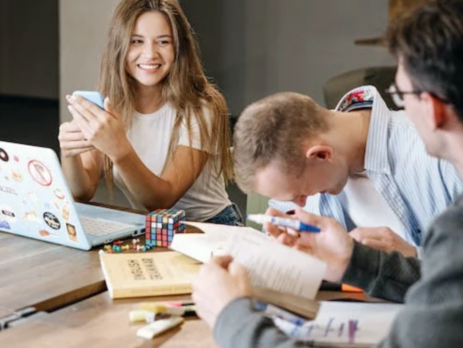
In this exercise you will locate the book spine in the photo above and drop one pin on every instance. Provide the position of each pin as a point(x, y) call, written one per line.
point(152, 291)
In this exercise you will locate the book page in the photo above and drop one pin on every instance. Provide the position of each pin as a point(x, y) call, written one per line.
point(276, 266)
point(343, 324)
point(269, 263)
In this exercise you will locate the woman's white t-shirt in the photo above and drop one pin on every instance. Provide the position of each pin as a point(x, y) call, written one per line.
point(150, 137)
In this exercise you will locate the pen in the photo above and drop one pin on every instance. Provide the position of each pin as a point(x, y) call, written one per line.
point(283, 222)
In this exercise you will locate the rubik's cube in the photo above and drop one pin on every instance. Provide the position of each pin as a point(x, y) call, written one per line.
point(161, 225)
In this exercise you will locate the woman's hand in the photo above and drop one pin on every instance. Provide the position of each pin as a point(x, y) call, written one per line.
point(72, 141)
point(103, 129)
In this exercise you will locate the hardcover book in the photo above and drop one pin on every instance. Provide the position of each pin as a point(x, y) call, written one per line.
point(148, 274)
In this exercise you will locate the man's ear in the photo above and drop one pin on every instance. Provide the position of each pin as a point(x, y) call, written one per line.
point(435, 111)
point(319, 152)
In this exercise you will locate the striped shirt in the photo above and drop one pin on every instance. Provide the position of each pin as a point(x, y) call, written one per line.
point(415, 185)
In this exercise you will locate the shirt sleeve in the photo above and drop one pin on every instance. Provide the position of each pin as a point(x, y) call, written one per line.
point(238, 326)
point(380, 274)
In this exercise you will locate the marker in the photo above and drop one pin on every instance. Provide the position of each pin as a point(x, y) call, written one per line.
point(283, 222)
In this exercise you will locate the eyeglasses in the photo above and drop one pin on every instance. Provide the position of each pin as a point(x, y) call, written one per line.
point(398, 96)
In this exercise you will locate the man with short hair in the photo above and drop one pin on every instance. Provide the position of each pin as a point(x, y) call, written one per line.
point(361, 164)
point(429, 47)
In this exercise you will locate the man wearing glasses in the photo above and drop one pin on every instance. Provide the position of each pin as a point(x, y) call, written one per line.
point(365, 166)
point(429, 47)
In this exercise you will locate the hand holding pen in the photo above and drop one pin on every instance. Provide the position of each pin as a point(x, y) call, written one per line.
point(293, 224)
point(331, 244)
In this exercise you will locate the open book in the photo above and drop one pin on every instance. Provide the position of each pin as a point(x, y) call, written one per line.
point(279, 275)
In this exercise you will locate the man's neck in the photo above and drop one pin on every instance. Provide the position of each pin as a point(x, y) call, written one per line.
point(453, 152)
point(349, 134)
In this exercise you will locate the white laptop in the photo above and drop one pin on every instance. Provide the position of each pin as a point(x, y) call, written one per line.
point(35, 202)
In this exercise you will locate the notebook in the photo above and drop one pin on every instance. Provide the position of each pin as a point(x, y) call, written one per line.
point(344, 324)
point(35, 202)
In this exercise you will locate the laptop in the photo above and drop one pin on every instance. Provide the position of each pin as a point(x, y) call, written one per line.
point(36, 202)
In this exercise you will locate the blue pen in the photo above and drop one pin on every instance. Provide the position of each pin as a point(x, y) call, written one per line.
point(283, 222)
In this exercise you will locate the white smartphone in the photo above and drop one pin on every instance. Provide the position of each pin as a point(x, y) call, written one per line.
point(92, 96)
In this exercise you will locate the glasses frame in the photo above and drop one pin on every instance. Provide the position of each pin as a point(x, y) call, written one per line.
point(398, 96)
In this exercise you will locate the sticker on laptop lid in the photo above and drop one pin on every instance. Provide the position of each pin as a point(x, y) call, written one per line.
point(44, 233)
point(40, 173)
point(4, 225)
point(51, 220)
point(59, 193)
point(16, 175)
point(8, 190)
point(30, 216)
point(72, 233)
point(66, 212)
point(4, 155)
point(6, 213)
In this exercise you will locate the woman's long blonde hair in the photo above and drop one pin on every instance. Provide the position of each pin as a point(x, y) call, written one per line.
point(186, 87)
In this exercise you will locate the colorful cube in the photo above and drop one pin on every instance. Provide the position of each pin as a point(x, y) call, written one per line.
point(161, 225)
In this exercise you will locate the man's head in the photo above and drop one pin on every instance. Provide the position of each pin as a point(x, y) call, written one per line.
point(280, 151)
point(428, 44)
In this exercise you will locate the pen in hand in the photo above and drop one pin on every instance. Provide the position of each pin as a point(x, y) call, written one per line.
point(283, 222)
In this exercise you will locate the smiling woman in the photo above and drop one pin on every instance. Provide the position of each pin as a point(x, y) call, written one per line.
point(163, 136)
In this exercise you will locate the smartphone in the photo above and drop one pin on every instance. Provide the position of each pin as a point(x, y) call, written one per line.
point(92, 96)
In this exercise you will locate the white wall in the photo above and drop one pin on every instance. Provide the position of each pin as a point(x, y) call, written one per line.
point(83, 28)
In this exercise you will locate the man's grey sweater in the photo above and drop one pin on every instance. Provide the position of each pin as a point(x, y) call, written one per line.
point(433, 312)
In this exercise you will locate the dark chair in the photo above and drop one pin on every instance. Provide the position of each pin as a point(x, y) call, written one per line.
point(380, 77)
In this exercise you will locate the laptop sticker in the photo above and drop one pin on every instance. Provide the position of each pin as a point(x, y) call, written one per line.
point(16, 175)
point(66, 212)
point(4, 156)
point(6, 213)
point(59, 193)
point(4, 225)
point(44, 233)
point(51, 220)
point(8, 190)
point(30, 216)
point(72, 233)
point(40, 173)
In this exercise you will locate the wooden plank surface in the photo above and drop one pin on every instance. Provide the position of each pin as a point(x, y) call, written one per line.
point(101, 322)
point(45, 276)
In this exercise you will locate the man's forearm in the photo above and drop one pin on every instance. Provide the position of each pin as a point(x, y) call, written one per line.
point(381, 274)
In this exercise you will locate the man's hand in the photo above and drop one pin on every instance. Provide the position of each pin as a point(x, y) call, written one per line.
point(332, 245)
point(219, 282)
point(383, 238)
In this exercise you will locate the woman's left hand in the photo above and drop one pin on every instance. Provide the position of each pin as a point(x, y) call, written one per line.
point(102, 128)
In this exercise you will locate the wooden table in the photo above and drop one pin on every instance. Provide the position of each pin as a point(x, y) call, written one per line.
point(44, 275)
point(48, 277)
point(102, 322)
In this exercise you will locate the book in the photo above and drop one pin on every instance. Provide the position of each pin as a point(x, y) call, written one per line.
point(148, 274)
point(344, 324)
point(279, 275)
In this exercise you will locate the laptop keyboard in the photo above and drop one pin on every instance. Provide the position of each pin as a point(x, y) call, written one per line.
point(99, 227)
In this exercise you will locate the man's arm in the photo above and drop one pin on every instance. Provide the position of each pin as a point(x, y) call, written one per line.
point(433, 314)
point(381, 274)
